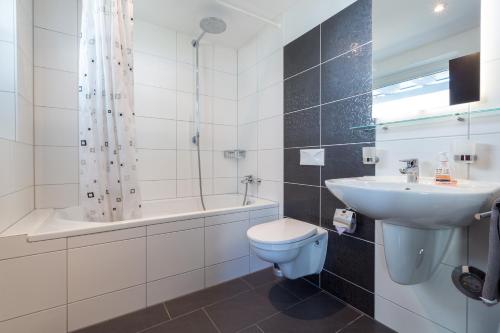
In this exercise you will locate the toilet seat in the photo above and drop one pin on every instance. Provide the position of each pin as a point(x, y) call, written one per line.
point(281, 232)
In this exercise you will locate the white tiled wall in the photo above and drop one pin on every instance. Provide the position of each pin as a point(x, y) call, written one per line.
point(164, 104)
point(436, 305)
point(16, 111)
point(260, 113)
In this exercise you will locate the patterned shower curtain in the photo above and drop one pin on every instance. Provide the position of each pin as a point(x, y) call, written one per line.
point(108, 164)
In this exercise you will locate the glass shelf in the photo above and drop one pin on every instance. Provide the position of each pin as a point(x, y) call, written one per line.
point(461, 116)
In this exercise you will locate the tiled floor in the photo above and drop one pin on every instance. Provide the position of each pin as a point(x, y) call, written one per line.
point(256, 303)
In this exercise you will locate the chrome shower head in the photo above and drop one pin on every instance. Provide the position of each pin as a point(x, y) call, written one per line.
point(213, 25)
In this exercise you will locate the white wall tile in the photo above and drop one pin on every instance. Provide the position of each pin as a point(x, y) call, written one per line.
point(224, 167)
point(56, 165)
point(48, 321)
point(56, 127)
point(225, 59)
point(268, 41)
point(270, 70)
point(25, 26)
point(225, 137)
point(225, 185)
point(55, 50)
point(190, 187)
point(226, 242)
point(165, 258)
point(155, 102)
point(7, 20)
point(56, 196)
point(24, 120)
point(271, 133)
point(187, 164)
point(186, 107)
point(226, 271)
point(15, 206)
point(6, 160)
point(225, 112)
point(225, 85)
point(272, 190)
point(247, 56)
point(490, 41)
point(247, 82)
point(156, 164)
point(25, 75)
point(90, 274)
point(271, 164)
point(158, 189)
point(155, 40)
point(248, 165)
point(186, 131)
point(154, 71)
point(175, 286)
point(22, 161)
point(271, 101)
point(8, 115)
point(58, 15)
point(7, 67)
point(185, 51)
point(154, 133)
point(98, 309)
point(32, 283)
point(56, 88)
point(248, 136)
point(248, 109)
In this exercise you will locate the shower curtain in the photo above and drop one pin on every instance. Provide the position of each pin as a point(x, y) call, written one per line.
point(109, 188)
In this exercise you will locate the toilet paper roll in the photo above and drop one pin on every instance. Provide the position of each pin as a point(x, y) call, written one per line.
point(344, 220)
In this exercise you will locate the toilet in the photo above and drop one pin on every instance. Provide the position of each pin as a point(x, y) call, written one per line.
point(297, 248)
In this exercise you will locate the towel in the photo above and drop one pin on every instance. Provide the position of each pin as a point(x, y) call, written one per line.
point(490, 287)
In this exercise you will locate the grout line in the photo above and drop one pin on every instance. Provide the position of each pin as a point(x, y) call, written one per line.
point(260, 329)
point(56, 31)
point(350, 323)
point(166, 310)
point(211, 320)
point(350, 282)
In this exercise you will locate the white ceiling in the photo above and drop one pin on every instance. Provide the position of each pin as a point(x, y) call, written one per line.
point(185, 15)
point(401, 25)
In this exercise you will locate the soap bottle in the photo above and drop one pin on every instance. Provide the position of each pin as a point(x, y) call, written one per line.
point(442, 174)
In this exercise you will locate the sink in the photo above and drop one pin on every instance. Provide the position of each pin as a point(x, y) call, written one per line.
point(421, 205)
point(418, 219)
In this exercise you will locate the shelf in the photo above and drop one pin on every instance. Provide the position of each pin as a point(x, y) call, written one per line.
point(461, 116)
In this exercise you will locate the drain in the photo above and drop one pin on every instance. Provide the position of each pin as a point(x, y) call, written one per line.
point(469, 280)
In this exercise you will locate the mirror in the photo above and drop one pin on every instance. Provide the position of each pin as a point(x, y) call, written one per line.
point(425, 56)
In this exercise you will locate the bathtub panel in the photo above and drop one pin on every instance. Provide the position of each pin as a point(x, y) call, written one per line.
point(174, 226)
point(106, 237)
point(98, 309)
point(264, 212)
point(226, 271)
point(174, 286)
point(32, 283)
point(99, 269)
point(226, 218)
point(174, 253)
point(226, 242)
point(48, 321)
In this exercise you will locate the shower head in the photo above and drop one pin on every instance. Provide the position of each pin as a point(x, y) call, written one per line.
point(213, 25)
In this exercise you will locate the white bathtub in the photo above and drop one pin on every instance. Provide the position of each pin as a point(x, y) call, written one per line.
point(71, 221)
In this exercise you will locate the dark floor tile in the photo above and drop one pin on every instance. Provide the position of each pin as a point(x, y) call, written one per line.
point(301, 128)
point(252, 329)
point(195, 322)
point(347, 75)
point(351, 259)
point(261, 278)
point(345, 161)
point(365, 226)
point(346, 30)
point(302, 202)
point(205, 297)
point(349, 293)
point(299, 174)
point(250, 307)
point(300, 288)
point(366, 325)
point(313, 278)
point(302, 91)
point(130, 323)
point(302, 53)
point(338, 118)
point(321, 313)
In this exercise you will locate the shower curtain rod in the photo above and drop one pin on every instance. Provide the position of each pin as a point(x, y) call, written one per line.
point(238, 9)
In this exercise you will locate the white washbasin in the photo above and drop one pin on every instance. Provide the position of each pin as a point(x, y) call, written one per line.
point(422, 205)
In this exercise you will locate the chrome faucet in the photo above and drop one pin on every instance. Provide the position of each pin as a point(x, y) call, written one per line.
point(250, 179)
point(411, 170)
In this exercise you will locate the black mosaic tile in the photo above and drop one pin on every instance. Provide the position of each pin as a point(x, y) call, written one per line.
point(365, 226)
point(300, 174)
point(191, 302)
point(352, 259)
point(301, 128)
point(359, 298)
point(302, 202)
point(366, 325)
point(194, 322)
point(347, 75)
point(302, 53)
point(130, 323)
point(338, 118)
point(346, 30)
point(345, 161)
point(320, 313)
point(302, 91)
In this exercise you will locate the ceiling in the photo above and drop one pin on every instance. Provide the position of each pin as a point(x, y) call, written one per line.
point(185, 15)
point(399, 26)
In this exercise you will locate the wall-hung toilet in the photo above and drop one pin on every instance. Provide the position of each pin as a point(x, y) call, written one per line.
point(297, 247)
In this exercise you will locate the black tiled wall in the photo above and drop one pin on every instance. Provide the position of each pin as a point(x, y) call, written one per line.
point(328, 83)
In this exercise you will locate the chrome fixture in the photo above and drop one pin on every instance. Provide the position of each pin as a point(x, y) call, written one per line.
point(249, 179)
point(235, 154)
point(411, 170)
point(211, 25)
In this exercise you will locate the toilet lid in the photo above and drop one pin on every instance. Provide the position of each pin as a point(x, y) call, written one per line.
point(281, 231)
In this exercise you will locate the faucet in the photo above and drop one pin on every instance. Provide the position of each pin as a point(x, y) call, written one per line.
point(250, 179)
point(411, 170)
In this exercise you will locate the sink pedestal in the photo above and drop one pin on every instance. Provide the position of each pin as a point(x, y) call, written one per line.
point(413, 254)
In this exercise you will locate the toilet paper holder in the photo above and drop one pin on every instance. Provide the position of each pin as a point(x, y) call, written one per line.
point(344, 220)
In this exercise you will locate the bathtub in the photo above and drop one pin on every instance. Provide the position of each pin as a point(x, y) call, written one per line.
point(71, 221)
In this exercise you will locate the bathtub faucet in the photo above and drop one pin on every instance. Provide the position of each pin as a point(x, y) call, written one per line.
point(250, 180)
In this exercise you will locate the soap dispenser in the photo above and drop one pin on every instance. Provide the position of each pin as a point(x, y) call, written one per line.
point(442, 173)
